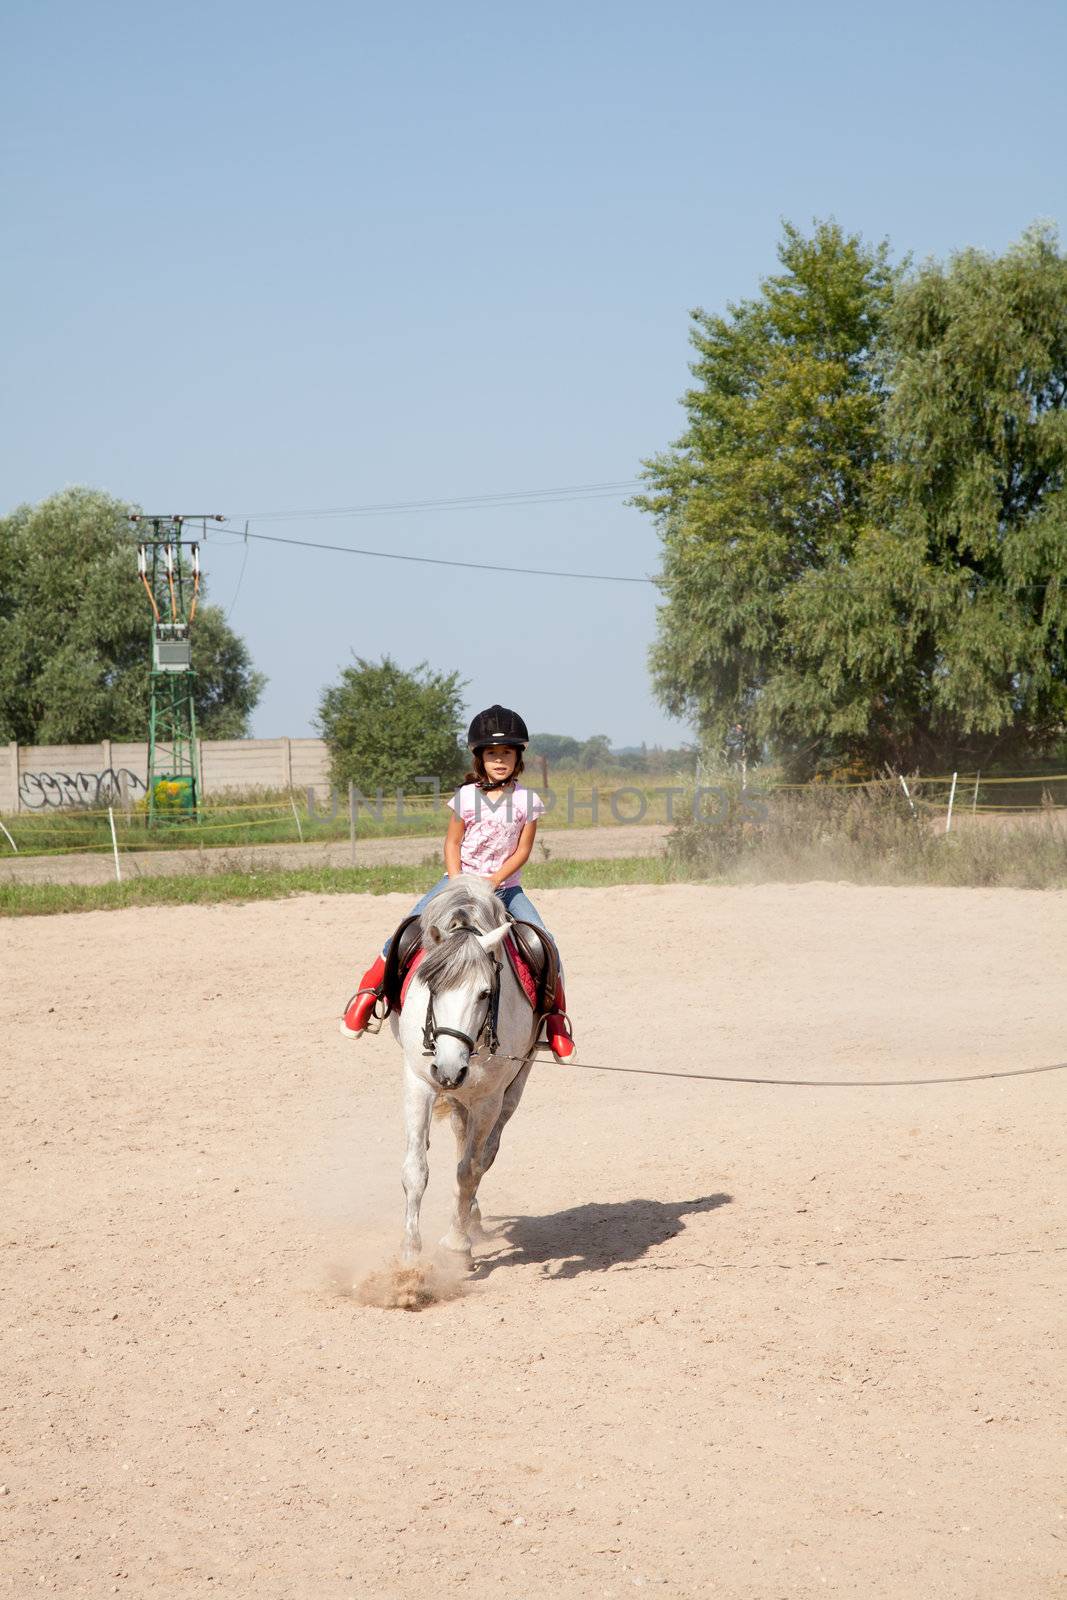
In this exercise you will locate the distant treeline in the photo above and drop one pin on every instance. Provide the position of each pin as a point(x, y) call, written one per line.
point(560, 750)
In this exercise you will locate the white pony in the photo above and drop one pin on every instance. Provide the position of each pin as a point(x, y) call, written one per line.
point(468, 1036)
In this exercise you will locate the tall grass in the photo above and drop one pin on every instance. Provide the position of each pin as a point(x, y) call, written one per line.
point(869, 835)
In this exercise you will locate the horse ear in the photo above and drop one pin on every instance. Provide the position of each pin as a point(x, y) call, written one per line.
point(489, 941)
point(435, 936)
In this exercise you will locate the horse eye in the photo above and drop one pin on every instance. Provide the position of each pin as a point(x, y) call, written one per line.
point(484, 995)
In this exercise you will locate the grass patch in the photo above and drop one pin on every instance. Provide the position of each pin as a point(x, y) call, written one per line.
point(868, 836)
point(46, 899)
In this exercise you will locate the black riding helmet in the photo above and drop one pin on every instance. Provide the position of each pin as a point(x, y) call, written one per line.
point(497, 725)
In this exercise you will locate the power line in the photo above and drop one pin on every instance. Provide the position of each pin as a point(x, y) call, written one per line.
point(559, 495)
point(441, 561)
point(240, 576)
point(482, 566)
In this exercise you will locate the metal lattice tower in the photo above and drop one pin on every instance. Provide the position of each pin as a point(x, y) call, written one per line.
point(173, 586)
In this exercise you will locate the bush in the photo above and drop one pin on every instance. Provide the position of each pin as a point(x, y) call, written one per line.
point(387, 728)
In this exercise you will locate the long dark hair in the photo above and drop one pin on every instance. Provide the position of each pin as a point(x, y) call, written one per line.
point(481, 777)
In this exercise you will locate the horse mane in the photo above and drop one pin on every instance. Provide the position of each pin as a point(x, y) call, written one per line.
point(466, 907)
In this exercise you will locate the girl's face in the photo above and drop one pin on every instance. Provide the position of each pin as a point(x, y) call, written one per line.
point(499, 760)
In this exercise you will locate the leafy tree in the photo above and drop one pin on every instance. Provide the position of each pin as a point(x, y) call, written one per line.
point(75, 631)
point(596, 752)
point(943, 641)
point(770, 484)
point(227, 688)
point(556, 747)
point(386, 727)
point(865, 526)
point(972, 571)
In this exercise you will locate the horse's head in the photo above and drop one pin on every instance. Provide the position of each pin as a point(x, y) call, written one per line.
point(462, 975)
point(462, 928)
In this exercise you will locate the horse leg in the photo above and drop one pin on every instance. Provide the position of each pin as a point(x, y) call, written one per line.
point(475, 1232)
point(512, 1096)
point(469, 1169)
point(418, 1106)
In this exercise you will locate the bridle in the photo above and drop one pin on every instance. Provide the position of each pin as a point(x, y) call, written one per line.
point(432, 1029)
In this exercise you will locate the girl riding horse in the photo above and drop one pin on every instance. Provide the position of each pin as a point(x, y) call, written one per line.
point(490, 835)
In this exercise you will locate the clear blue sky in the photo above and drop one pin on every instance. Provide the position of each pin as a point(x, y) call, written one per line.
point(262, 258)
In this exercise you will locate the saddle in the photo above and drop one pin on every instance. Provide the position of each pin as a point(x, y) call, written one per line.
point(530, 952)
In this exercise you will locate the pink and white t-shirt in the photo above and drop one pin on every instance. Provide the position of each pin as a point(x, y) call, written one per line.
point(491, 828)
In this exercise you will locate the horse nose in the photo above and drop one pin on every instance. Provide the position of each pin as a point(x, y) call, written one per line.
point(448, 1080)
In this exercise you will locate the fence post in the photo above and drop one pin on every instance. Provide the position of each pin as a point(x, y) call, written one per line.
point(951, 802)
point(974, 802)
point(15, 775)
point(114, 845)
point(287, 764)
point(907, 794)
point(352, 819)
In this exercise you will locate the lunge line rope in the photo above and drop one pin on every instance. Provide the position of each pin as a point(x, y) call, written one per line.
point(799, 1083)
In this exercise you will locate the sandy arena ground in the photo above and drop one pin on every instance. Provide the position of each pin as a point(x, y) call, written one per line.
point(730, 1339)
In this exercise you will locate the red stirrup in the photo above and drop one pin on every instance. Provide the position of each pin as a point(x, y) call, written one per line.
point(360, 1008)
point(558, 1027)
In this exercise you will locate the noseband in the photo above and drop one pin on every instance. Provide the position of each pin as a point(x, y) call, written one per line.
point(432, 1030)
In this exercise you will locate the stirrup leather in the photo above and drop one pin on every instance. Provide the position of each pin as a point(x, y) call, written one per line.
point(378, 1011)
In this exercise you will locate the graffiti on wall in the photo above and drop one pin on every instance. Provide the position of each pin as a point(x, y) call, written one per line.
point(41, 791)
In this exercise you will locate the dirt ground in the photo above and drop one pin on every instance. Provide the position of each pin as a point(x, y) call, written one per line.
point(730, 1339)
point(564, 844)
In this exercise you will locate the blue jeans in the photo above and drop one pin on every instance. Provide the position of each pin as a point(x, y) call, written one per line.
point(515, 900)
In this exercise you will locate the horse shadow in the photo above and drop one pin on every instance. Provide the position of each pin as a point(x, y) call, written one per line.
point(589, 1238)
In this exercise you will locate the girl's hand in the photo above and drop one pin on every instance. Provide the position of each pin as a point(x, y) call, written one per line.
point(518, 858)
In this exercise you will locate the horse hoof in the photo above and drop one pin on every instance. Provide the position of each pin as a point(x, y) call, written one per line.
point(461, 1256)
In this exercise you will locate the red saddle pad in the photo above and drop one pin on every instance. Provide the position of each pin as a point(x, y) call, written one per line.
point(518, 966)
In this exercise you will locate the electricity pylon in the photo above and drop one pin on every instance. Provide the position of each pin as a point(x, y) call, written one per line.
point(173, 773)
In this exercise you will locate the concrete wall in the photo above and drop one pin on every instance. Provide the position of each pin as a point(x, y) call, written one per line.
point(58, 776)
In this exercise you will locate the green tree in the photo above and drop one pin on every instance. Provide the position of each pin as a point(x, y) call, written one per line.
point(942, 640)
point(75, 631)
point(385, 727)
point(770, 486)
point(865, 525)
point(555, 747)
point(596, 752)
point(973, 570)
